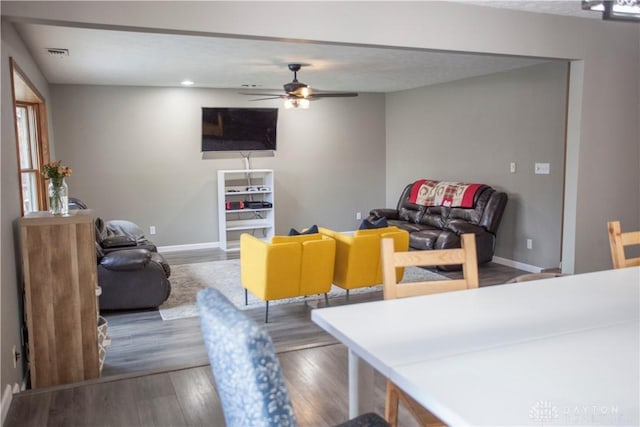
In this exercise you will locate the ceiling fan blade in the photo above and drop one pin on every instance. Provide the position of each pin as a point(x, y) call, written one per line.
point(333, 95)
point(270, 97)
point(261, 94)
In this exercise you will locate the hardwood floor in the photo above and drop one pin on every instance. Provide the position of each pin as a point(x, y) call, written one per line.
point(156, 372)
point(142, 341)
point(316, 379)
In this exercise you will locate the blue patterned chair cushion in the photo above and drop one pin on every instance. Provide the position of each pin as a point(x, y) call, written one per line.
point(248, 376)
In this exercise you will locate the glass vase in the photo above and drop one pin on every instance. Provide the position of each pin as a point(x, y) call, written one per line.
point(58, 197)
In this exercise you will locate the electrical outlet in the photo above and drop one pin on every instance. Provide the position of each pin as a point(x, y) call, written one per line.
point(529, 243)
point(512, 167)
point(358, 215)
point(542, 169)
point(152, 230)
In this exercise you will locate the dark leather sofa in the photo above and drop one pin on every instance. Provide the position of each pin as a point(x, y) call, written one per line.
point(440, 227)
point(131, 273)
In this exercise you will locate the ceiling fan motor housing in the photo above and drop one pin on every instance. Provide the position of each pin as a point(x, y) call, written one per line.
point(295, 88)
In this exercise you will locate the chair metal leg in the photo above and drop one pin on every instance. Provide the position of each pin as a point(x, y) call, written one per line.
point(266, 313)
point(347, 295)
point(326, 299)
point(246, 300)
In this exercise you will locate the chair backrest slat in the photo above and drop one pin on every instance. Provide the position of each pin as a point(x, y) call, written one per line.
point(432, 257)
point(617, 241)
point(466, 256)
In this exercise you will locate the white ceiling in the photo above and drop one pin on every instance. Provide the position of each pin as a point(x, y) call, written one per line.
point(106, 57)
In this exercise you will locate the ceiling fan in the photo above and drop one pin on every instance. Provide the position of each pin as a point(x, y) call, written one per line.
point(298, 94)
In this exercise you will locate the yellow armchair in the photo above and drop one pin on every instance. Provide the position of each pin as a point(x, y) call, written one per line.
point(287, 267)
point(357, 261)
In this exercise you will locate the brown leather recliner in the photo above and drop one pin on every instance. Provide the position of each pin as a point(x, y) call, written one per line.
point(132, 279)
point(131, 273)
point(440, 227)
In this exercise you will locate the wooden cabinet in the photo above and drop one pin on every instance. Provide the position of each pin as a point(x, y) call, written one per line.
point(245, 204)
point(61, 309)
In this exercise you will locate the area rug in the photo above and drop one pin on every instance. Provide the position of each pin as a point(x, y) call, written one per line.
point(188, 279)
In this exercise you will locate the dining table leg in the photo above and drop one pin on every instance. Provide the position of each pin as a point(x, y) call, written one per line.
point(360, 386)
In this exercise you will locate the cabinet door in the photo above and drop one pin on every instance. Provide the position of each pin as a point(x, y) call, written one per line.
point(60, 291)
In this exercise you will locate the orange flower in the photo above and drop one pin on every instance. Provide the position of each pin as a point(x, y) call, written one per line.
point(55, 171)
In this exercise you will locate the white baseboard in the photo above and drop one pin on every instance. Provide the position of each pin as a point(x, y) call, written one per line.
point(516, 264)
point(193, 246)
point(6, 402)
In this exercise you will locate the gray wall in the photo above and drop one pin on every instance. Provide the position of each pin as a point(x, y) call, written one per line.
point(605, 111)
point(135, 154)
point(10, 269)
point(471, 130)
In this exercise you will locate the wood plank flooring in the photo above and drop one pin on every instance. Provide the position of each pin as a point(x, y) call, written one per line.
point(157, 374)
point(316, 379)
point(142, 341)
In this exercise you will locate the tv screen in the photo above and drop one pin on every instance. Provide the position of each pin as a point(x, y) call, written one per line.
point(239, 129)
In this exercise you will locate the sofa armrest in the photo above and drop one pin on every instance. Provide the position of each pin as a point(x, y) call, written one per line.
point(126, 260)
point(386, 212)
point(344, 242)
point(118, 242)
point(253, 260)
point(159, 259)
point(316, 274)
point(492, 214)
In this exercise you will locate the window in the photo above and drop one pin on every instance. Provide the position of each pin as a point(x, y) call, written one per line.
point(30, 178)
point(31, 140)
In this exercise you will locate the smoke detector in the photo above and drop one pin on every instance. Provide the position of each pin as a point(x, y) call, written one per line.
point(57, 52)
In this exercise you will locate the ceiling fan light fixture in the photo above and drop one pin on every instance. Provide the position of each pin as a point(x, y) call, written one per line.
point(300, 103)
point(617, 10)
point(298, 94)
point(305, 91)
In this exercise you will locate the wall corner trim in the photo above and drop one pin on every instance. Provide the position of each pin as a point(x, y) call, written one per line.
point(6, 403)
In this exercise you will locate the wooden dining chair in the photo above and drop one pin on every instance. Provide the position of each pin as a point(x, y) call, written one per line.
point(618, 240)
point(466, 256)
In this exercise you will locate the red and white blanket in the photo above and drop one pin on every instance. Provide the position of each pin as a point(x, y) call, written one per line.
point(427, 192)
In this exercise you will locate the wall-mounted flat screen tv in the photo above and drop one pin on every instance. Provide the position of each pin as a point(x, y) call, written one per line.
point(239, 129)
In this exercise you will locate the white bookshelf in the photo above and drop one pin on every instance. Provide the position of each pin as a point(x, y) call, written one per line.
point(233, 186)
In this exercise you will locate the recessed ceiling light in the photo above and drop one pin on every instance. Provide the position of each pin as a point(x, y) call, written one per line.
point(186, 83)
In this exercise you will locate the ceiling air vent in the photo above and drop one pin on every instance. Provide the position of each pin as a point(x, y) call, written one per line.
point(58, 53)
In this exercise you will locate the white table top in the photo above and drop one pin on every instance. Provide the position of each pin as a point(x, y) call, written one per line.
point(498, 354)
